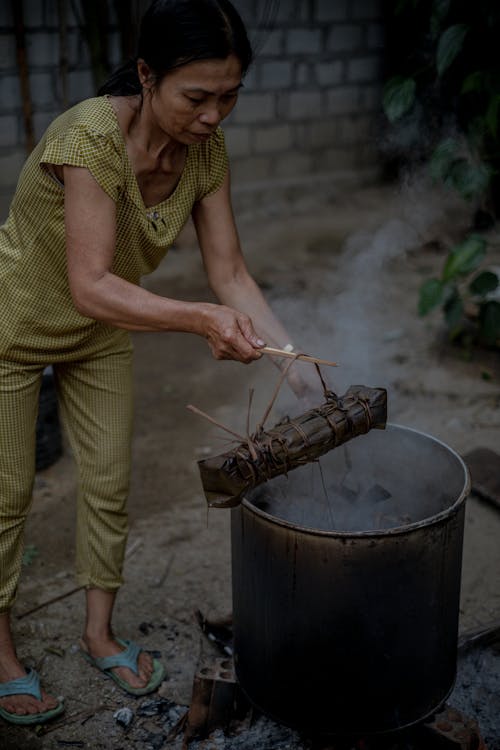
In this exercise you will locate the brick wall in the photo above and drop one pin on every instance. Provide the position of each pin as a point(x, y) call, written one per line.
point(306, 118)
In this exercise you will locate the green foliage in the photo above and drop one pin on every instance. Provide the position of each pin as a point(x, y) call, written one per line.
point(484, 283)
point(464, 258)
point(489, 318)
point(452, 163)
point(453, 313)
point(449, 45)
point(451, 74)
point(491, 116)
point(402, 4)
point(431, 295)
point(398, 97)
point(473, 82)
point(454, 294)
point(439, 12)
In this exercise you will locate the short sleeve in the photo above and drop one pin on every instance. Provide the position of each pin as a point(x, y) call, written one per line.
point(95, 151)
point(213, 165)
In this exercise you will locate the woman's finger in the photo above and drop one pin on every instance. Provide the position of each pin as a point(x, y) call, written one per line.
point(249, 332)
point(231, 335)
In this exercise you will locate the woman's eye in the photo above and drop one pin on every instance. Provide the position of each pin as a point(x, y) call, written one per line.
point(194, 101)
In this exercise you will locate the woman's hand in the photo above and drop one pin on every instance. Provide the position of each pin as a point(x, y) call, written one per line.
point(230, 334)
point(305, 382)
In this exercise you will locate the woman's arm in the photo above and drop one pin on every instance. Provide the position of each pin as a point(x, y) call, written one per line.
point(233, 285)
point(225, 266)
point(90, 221)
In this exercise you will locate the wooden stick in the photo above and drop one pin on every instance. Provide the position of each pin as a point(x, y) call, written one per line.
point(201, 413)
point(303, 357)
point(24, 79)
point(82, 716)
point(62, 13)
point(481, 637)
point(130, 551)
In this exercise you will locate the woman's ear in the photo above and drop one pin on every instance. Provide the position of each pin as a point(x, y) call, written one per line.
point(144, 73)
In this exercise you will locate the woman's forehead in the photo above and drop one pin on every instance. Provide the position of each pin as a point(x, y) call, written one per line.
point(210, 75)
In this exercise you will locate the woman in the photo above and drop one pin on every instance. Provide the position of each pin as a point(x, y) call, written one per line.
point(98, 203)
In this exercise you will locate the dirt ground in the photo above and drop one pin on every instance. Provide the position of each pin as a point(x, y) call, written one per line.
point(344, 278)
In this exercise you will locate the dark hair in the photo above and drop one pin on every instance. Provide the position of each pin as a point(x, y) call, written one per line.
point(175, 32)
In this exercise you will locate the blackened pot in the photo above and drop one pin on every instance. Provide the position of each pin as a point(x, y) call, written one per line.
point(352, 630)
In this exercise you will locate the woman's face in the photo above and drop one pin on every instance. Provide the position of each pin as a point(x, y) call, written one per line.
point(191, 101)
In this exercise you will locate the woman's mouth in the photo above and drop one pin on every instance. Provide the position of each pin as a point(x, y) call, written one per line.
point(203, 136)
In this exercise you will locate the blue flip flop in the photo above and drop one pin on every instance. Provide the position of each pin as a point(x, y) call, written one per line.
point(127, 658)
point(27, 685)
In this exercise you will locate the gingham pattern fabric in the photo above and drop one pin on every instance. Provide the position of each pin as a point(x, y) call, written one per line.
point(39, 325)
point(38, 319)
point(96, 406)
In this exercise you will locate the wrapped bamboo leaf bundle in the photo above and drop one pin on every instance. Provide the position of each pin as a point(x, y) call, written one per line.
point(292, 443)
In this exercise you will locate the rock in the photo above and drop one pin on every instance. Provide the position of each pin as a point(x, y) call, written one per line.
point(124, 717)
point(154, 741)
point(155, 707)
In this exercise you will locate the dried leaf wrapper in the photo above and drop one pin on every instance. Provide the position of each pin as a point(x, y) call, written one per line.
point(291, 443)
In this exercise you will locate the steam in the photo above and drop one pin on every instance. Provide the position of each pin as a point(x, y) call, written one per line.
point(374, 482)
point(346, 320)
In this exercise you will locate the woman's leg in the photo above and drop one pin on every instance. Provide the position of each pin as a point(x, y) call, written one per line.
point(95, 403)
point(96, 406)
point(11, 669)
point(19, 390)
point(98, 638)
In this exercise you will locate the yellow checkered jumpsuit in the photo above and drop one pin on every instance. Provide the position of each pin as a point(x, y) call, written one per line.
point(39, 325)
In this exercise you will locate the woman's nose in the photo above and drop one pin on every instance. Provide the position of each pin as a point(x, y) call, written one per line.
point(211, 116)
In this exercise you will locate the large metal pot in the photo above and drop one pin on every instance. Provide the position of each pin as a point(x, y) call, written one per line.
point(352, 630)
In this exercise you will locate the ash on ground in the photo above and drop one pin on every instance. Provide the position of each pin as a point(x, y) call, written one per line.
point(476, 695)
point(477, 692)
point(262, 735)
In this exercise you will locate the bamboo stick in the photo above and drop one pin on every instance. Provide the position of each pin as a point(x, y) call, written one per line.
point(201, 413)
point(63, 50)
point(24, 78)
point(291, 355)
point(130, 551)
point(81, 716)
point(482, 637)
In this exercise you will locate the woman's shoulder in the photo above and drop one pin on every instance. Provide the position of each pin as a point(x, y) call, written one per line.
point(94, 115)
point(87, 135)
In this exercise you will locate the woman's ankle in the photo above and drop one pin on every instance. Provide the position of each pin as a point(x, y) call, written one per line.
point(10, 668)
point(98, 620)
point(101, 635)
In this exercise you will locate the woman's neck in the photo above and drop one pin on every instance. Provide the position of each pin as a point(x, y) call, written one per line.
point(139, 127)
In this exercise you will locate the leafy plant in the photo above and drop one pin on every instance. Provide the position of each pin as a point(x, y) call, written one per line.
point(450, 71)
point(465, 300)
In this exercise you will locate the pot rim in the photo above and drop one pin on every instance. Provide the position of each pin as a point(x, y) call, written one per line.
point(394, 530)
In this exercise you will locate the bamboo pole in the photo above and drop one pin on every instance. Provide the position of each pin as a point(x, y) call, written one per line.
point(63, 50)
point(95, 15)
point(291, 355)
point(24, 79)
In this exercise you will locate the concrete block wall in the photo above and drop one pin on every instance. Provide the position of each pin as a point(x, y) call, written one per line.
point(309, 112)
point(307, 115)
